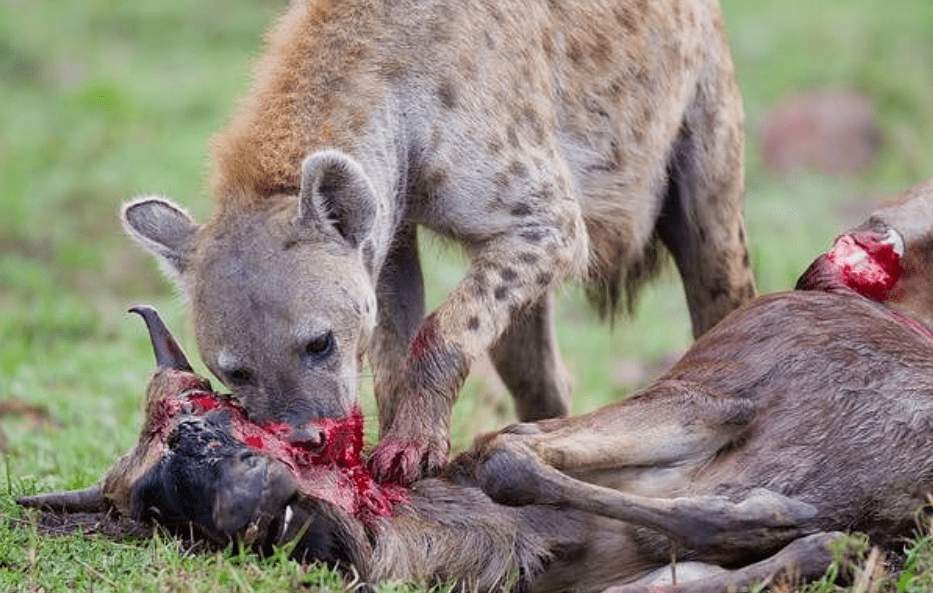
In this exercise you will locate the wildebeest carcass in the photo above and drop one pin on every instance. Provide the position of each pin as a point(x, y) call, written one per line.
point(802, 414)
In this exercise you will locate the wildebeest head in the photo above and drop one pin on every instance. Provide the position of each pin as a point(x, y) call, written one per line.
point(200, 462)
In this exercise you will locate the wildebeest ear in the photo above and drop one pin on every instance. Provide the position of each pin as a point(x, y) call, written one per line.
point(164, 229)
point(336, 196)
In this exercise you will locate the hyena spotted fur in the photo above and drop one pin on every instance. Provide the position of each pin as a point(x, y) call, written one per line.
point(551, 138)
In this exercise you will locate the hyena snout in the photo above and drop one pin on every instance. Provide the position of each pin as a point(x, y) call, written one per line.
point(296, 401)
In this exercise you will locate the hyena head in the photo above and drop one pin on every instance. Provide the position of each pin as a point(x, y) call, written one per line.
point(281, 288)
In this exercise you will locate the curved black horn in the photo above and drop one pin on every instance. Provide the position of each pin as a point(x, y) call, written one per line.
point(88, 500)
point(168, 353)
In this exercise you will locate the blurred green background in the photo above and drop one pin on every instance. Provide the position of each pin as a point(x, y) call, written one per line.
point(104, 101)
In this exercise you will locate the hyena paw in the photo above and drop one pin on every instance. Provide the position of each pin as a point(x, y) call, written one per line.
point(403, 460)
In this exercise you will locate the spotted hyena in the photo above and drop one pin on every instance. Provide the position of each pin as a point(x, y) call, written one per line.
point(550, 138)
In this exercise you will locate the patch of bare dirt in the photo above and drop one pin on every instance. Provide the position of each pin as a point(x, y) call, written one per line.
point(832, 131)
point(110, 524)
point(35, 415)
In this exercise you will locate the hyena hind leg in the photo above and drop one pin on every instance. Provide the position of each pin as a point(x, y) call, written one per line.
point(527, 359)
point(702, 223)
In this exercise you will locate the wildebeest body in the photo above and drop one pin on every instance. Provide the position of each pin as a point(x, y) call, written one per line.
point(800, 415)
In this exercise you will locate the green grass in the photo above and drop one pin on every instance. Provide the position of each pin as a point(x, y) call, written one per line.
point(104, 101)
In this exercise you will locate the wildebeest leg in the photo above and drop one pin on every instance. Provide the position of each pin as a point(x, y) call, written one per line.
point(709, 525)
point(675, 423)
point(701, 224)
point(805, 559)
point(682, 427)
point(527, 359)
point(400, 310)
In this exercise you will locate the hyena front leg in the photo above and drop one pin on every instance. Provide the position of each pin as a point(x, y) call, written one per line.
point(508, 273)
point(527, 360)
point(400, 295)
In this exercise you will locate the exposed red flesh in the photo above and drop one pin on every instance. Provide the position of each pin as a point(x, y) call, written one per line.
point(330, 469)
point(872, 277)
point(425, 340)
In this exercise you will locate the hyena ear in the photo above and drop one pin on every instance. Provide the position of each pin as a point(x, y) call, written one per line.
point(162, 228)
point(336, 196)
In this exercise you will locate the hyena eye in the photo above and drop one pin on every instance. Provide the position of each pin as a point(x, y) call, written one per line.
point(320, 346)
point(239, 377)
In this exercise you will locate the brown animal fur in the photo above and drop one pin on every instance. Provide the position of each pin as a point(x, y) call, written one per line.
point(801, 414)
point(551, 139)
point(192, 481)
